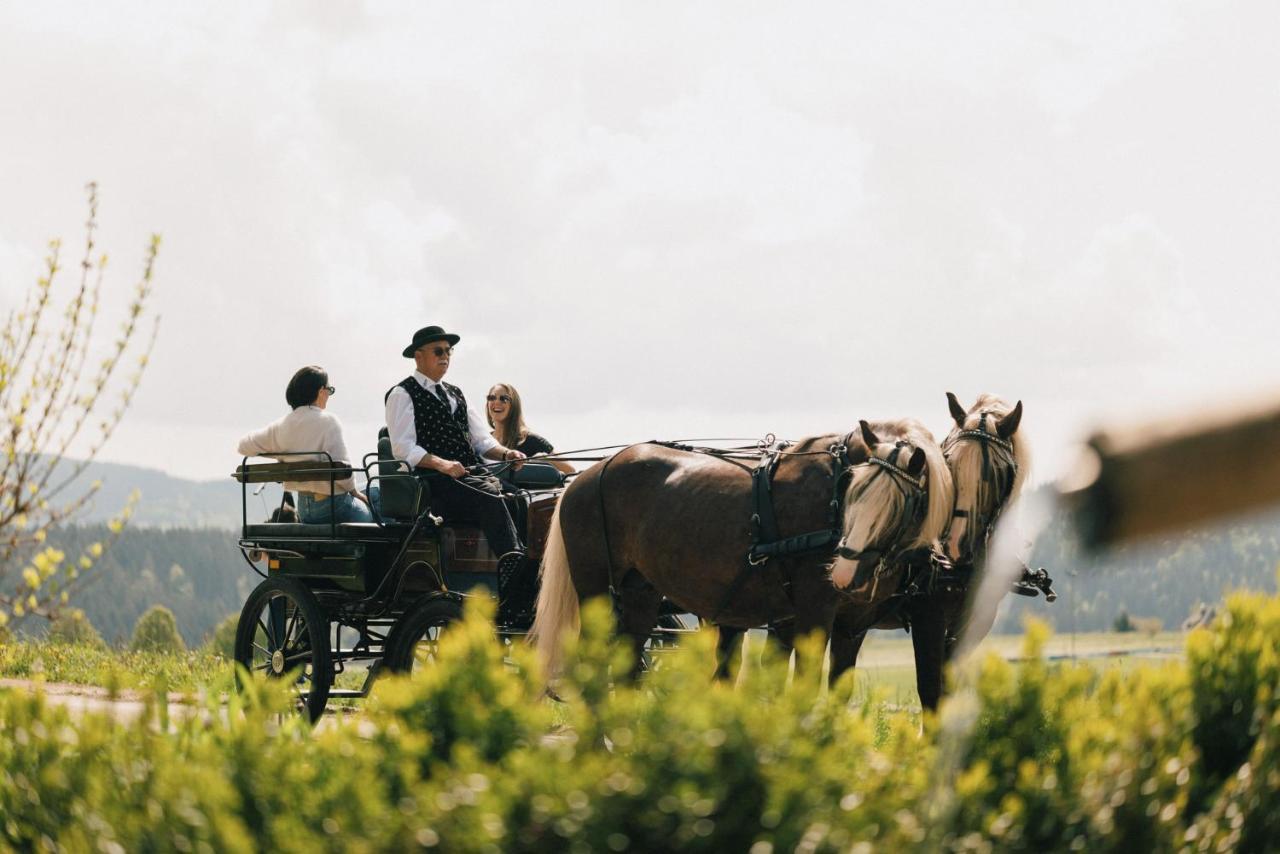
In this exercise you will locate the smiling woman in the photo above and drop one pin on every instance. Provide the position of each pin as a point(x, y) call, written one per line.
point(505, 412)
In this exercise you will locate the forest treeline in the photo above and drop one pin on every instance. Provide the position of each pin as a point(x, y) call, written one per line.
point(200, 576)
point(1165, 580)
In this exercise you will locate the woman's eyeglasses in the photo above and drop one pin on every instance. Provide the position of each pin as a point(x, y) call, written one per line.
point(505, 398)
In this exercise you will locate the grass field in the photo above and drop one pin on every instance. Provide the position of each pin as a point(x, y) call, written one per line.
point(885, 665)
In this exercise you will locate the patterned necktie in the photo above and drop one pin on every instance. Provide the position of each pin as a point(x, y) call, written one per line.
point(444, 396)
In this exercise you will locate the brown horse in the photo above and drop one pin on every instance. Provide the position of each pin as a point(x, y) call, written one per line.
point(989, 462)
point(655, 521)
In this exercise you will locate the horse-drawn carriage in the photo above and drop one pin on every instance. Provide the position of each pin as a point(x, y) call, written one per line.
point(360, 598)
point(815, 534)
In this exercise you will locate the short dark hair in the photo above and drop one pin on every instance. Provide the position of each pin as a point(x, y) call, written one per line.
point(305, 386)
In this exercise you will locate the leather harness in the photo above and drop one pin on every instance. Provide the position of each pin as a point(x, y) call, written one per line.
point(766, 541)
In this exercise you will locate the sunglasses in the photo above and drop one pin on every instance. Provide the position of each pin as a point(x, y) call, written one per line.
point(330, 389)
point(441, 351)
point(505, 398)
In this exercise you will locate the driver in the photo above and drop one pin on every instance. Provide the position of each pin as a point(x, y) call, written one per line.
point(431, 428)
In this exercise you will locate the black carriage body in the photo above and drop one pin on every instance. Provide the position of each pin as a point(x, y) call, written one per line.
point(380, 569)
point(366, 595)
point(355, 559)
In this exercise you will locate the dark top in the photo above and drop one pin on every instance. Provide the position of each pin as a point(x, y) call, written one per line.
point(534, 444)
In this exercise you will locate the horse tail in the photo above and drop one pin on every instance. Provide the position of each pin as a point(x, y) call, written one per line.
point(557, 609)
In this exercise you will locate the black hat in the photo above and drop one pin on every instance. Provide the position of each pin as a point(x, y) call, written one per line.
point(426, 335)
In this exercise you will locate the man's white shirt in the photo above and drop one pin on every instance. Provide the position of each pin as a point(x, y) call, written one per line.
point(404, 433)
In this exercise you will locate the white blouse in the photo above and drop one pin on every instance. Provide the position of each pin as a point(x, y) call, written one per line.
point(307, 428)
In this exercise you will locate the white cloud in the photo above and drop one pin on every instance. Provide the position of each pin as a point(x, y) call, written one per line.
point(663, 215)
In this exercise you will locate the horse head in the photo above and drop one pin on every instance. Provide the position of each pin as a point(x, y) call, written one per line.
point(989, 461)
point(898, 499)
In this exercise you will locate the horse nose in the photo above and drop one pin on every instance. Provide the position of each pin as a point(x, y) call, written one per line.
point(843, 573)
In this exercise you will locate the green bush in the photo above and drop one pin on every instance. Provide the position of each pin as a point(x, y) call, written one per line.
point(1123, 623)
point(222, 642)
point(471, 756)
point(157, 631)
point(73, 627)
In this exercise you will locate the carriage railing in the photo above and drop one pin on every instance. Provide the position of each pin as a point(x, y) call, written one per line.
point(304, 470)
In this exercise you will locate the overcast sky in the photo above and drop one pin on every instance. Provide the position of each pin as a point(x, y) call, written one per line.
point(664, 220)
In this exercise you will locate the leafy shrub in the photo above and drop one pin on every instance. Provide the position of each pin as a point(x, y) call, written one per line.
point(73, 627)
point(470, 756)
point(1122, 623)
point(157, 631)
point(222, 642)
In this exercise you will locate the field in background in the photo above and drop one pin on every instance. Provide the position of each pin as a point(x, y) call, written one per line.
point(886, 663)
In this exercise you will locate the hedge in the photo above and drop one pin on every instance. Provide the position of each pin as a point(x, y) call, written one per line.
point(472, 756)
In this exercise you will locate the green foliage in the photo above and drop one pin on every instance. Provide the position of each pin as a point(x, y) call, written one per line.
point(222, 643)
point(471, 756)
point(61, 387)
point(1234, 670)
point(83, 664)
point(157, 631)
point(73, 627)
point(1122, 623)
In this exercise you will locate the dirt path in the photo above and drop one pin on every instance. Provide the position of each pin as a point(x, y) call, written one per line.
point(124, 706)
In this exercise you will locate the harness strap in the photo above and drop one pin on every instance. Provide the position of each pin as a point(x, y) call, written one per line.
point(798, 543)
point(764, 522)
point(765, 542)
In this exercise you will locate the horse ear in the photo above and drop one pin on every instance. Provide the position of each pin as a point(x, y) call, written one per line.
point(957, 411)
point(868, 436)
point(1008, 424)
point(916, 464)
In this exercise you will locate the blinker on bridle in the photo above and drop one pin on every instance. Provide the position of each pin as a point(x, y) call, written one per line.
point(912, 497)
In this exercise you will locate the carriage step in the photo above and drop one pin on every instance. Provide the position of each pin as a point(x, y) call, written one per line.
point(346, 694)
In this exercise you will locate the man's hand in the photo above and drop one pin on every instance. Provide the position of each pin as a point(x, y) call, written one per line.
point(452, 468)
point(516, 457)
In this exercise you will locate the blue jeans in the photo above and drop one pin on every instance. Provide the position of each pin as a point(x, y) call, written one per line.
point(346, 508)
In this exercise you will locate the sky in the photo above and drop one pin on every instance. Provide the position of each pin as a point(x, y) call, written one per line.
point(663, 220)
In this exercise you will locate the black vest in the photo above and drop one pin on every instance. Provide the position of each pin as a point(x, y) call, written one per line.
point(439, 432)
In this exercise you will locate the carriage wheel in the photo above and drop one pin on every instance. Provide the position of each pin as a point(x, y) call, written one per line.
point(415, 639)
point(659, 642)
point(283, 633)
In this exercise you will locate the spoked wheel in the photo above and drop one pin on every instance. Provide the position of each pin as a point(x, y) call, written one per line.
point(414, 642)
point(666, 637)
point(284, 634)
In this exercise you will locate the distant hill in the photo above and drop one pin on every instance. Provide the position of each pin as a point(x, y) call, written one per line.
point(180, 550)
point(166, 501)
point(1165, 578)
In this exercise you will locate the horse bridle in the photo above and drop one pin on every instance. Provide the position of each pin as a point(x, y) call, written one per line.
point(913, 493)
point(1005, 479)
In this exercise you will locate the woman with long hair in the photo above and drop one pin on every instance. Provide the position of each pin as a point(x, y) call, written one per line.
point(506, 416)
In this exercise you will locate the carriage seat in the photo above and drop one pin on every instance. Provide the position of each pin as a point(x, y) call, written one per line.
point(403, 494)
point(534, 475)
point(319, 531)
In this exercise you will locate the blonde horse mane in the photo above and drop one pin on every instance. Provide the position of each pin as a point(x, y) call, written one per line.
point(874, 505)
point(965, 458)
